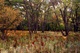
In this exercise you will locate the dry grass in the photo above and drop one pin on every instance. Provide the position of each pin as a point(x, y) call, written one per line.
point(17, 33)
point(48, 42)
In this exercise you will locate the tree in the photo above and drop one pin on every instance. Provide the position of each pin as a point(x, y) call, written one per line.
point(47, 13)
point(9, 18)
point(32, 9)
point(76, 13)
point(63, 11)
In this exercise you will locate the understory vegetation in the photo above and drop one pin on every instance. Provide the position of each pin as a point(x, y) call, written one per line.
point(47, 42)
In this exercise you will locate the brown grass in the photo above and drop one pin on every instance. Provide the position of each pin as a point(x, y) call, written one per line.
point(17, 33)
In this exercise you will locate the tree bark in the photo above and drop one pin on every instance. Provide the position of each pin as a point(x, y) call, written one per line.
point(76, 20)
point(3, 36)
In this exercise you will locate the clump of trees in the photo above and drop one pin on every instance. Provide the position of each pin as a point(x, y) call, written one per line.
point(69, 12)
point(66, 13)
point(40, 15)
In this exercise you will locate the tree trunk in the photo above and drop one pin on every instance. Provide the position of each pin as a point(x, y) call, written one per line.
point(65, 20)
point(66, 30)
point(76, 21)
point(43, 27)
point(3, 36)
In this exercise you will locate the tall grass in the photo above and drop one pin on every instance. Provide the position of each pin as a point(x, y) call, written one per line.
point(42, 43)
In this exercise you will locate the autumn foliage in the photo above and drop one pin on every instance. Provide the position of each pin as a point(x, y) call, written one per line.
point(9, 17)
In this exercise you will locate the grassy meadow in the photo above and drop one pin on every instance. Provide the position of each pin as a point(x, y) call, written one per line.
point(47, 42)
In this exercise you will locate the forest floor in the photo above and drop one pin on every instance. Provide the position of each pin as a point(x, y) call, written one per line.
point(47, 42)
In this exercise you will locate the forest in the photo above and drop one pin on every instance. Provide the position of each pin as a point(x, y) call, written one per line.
point(39, 26)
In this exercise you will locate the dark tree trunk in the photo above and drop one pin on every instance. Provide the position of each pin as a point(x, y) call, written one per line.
point(3, 36)
point(76, 20)
point(36, 24)
point(66, 30)
point(75, 28)
point(28, 15)
point(43, 27)
point(35, 27)
point(65, 20)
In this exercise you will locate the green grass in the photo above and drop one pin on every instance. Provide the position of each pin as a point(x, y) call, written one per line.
point(17, 0)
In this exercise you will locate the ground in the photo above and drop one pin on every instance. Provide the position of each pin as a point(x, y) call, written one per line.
point(47, 42)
